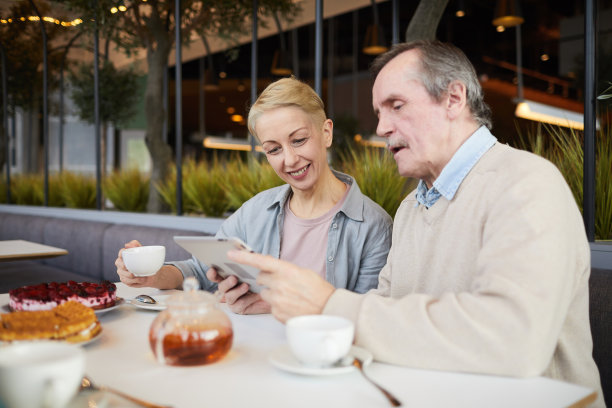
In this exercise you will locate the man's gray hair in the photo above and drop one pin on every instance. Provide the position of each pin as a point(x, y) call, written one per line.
point(441, 64)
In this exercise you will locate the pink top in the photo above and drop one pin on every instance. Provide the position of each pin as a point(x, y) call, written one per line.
point(304, 240)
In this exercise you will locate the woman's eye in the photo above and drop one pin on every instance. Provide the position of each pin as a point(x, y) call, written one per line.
point(299, 142)
point(397, 106)
point(274, 150)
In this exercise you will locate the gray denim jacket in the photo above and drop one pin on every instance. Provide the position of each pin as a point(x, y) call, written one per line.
point(359, 236)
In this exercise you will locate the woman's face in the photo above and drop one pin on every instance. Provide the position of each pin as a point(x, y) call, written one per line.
point(294, 145)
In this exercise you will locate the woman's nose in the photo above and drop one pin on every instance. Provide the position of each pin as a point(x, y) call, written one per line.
point(290, 157)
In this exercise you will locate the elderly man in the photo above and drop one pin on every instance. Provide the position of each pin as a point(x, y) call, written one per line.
point(489, 265)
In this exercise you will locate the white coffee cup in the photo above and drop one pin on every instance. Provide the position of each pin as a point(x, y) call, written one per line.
point(40, 374)
point(319, 340)
point(144, 260)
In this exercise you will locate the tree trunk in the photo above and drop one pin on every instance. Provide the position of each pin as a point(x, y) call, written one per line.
point(424, 23)
point(161, 154)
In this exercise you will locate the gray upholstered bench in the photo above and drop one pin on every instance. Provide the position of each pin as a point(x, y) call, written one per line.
point(92, 239)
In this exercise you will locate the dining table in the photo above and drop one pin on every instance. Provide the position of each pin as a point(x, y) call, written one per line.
point(19, 249)
point(121, 358)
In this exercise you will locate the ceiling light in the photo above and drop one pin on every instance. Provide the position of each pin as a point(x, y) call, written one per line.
point(508, 13)
point(213, 142)
point(540, 112)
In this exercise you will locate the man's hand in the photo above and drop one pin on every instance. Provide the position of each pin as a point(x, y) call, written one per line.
point(290, 290)
point(237, 296)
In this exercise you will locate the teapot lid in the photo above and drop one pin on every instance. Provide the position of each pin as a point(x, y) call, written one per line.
point(191, 295)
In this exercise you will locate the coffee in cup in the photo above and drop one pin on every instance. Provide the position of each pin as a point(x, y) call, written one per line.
point(144, 260)
point(319, 340)
point(40, 374)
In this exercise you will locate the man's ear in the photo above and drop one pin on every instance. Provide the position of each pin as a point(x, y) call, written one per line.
point(457, 98)
point(328, 132)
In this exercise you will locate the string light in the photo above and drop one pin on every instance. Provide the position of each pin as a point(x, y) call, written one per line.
point(47, 19)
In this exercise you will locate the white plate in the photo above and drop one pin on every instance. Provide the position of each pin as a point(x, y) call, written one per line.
point(118, 302)
point(160, 305)
point(94, 338)
point(79, 343)
point(283, 358)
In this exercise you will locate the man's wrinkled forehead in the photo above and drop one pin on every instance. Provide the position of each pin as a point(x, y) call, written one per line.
point(401, 69)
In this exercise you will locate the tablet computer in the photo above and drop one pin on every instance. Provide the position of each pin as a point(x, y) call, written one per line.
point(212, 252)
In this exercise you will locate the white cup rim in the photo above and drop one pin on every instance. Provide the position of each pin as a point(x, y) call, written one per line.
point(333, 322)
point(144, 248)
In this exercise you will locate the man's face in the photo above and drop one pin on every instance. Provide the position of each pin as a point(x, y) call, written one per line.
point(415, 125)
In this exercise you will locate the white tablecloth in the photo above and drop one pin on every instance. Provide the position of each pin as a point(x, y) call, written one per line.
point(121, 358)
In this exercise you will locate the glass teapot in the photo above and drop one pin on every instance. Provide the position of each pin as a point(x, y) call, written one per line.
point(192, 330)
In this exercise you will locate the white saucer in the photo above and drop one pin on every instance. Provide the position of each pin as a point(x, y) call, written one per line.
point(160, 305)
point(283, 358)
point(118, 302)
point(78, 343)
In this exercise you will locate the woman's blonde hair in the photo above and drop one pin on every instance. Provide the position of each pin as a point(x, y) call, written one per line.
point(284, 93)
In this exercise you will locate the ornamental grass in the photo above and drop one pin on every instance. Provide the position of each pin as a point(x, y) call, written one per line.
point(244, 180)
point(376, 174)
point(564, 147)
point(128, 190)
point(203, 188)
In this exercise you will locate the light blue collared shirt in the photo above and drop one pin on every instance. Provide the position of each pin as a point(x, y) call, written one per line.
point(358, 239)
point(464, 159)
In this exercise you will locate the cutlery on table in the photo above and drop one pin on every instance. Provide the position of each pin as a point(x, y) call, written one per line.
point(143, 299)
point(87, 384)
point(394, 401)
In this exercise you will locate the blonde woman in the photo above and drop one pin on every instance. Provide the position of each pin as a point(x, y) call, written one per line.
point(319, 220)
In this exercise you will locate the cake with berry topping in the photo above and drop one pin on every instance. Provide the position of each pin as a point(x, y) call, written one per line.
point(46, 296)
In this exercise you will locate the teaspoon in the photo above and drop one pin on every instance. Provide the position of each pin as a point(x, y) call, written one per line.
point(87, 384)
point(145, 299)
point(394, 401)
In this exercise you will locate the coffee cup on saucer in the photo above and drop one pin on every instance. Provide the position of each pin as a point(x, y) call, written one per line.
point(144, 260)
point(319, 340)
point(40, 374)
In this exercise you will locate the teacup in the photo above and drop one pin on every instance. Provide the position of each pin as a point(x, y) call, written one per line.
point(40, 374)
point(144, 260)
point(319, 340)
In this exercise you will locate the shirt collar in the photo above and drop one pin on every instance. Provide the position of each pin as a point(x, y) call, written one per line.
point(452, 175)
point(352, 207)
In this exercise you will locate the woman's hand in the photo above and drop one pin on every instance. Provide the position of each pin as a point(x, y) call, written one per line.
point(168, 277)
point(237, 295)
point(290, 290)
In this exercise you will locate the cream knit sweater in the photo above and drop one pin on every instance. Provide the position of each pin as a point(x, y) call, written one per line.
point(494, 281)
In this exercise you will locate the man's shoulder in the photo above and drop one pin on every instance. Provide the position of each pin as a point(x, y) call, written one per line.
point(504, 159)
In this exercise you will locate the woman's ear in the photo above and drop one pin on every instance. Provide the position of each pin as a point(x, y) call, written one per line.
point(328, 132)
point(457, 98)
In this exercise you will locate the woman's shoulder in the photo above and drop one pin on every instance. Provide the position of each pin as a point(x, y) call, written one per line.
point(267, 197)
point(358, 202)
point(372, 209)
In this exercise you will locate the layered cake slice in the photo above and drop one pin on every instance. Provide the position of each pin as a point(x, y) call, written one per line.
point(70, 321)
point(46, 296)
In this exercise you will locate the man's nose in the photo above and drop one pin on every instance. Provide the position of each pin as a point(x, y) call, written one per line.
point(384, 128)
